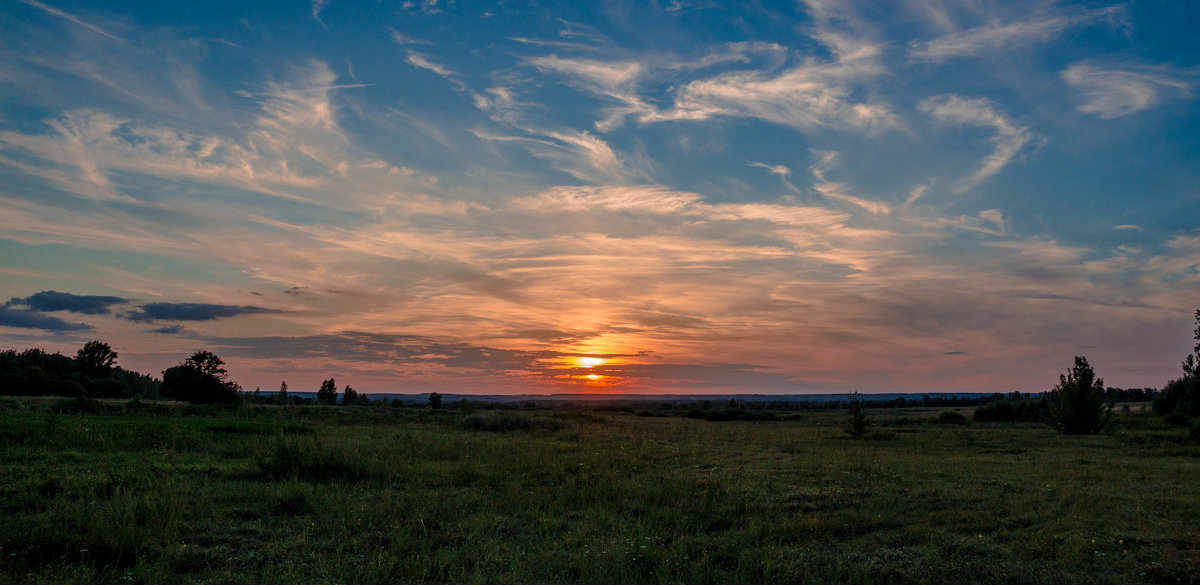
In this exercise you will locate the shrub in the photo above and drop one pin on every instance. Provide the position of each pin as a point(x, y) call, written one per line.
point(79, 405)
point(503, 422)
point(1179, 396)
point(856, 421)
point(1078, 405)
point(1009, 410)
point(997, 411)
point(952, 418)
point(308, 459)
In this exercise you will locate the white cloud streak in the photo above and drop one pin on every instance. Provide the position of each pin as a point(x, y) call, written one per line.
point(1009, 140)
point(72, 18)
point(1112, 92)
point(424, 62)
point(1005, 36)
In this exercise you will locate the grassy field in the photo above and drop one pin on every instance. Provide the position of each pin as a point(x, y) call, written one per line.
point(154, 494)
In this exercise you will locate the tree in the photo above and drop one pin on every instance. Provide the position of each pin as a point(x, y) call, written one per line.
point(1183, 394)
point(95, 359)
point(1078, 405)
point(856, 422)
point(1191, 363)
point(350, 396)
point(328, 392)
point(282, 396)
point(201, 379)
point(435, 400)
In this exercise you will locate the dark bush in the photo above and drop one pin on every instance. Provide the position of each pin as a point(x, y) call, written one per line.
point(951, 418)
point(79, 405)
point(503, 422)
point(308, 459)
point(1181, 395)
point(1009, 410)
point(998, 411)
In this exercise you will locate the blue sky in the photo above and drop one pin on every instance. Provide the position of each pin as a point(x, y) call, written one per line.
point(814, 196)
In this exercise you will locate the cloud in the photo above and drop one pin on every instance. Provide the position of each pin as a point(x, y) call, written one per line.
point(1114, 92)
point(423, 62)
point(998, 36)
point(580, 154)
point(27, 319)
point(614, 80)
point(1009, 140)
point(810, 96)
point(171, 330)
point(50, 301)
point(193, 312)
point(72, 18)
point(317, 7)
point(780, 171)
point(837, 192)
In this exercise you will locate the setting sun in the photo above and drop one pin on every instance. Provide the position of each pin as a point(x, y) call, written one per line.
point(590, 362)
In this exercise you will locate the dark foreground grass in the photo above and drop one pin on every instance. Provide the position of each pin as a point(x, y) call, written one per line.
point(371, 495)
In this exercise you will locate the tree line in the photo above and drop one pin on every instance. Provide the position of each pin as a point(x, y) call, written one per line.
point(1079, 403)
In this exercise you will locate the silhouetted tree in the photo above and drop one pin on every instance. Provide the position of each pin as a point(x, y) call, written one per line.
point(435, 400)
point(1191, 363)
point(201, 379)
point(95, 359)
point(282, 396)
point(1078, 405)
point(1183, 395)
point(856, 422)
point(327, 394)
point(350, 397)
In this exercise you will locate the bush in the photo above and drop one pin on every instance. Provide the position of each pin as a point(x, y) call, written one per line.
point(1008, 410)
point(79, 405)
point(1179, 396)
point(856, 421)
point(308, 459)
point(503, 422)
point(952, 418)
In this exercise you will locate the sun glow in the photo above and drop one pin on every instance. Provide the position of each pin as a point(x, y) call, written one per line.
point(589, 362)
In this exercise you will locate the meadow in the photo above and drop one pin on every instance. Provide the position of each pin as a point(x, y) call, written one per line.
point(165, 493)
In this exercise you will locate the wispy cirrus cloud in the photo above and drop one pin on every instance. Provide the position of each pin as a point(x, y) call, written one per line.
point(1010, 35)
point(1008, 141)
point(1112, 92)
point(316, 8)
point(73, 18)
point(421, 61)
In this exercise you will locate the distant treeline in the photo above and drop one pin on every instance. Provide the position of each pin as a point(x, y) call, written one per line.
point(91, 373)
point(202, 378)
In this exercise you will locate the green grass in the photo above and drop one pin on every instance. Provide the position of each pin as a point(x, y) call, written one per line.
point(366, 495)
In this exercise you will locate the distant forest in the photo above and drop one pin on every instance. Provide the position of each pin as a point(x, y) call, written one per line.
point(202, 378)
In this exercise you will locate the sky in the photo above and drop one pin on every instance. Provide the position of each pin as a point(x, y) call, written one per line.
point(637, 197)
